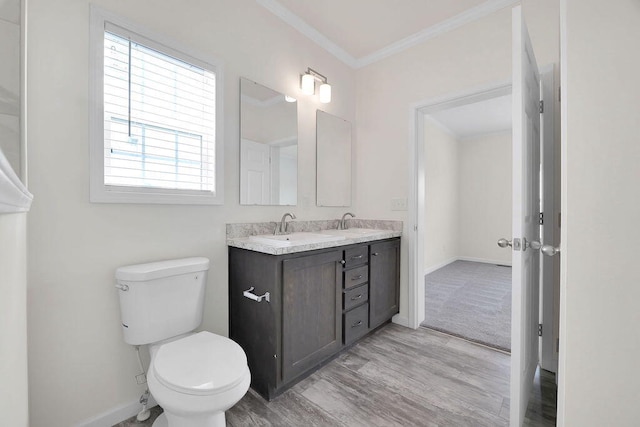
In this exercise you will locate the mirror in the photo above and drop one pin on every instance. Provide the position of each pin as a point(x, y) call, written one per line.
point(333, 150)
point(268, 146)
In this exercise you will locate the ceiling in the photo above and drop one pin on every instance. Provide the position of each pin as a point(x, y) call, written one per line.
point(360, 32)
point(480, 118)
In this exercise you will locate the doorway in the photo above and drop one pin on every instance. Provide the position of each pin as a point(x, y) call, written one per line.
point(468, 163)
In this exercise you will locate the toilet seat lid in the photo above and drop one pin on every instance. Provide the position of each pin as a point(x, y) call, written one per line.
point(203, 363)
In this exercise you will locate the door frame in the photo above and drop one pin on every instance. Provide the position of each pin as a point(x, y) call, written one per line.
point(550, 274)
point(416, 199)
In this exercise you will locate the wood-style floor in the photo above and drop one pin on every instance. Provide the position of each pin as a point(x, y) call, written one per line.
point(401, 377)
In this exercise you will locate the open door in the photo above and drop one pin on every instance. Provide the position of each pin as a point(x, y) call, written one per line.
point(526, 210)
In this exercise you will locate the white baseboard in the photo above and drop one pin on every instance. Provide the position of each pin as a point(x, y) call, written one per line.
point(433, 268)
point(116, 415)
point(438, 266)
point(484, 260)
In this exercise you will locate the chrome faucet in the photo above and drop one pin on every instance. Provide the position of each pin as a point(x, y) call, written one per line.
point(282, 228)
point(343, 221)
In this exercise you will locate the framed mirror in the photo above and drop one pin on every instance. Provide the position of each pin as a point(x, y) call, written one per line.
point(268, 146)
point(333, 158)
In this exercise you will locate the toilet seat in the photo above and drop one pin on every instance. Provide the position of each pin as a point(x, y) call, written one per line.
point(200, 364)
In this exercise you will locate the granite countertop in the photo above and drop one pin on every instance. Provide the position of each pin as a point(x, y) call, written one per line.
point(238, 235)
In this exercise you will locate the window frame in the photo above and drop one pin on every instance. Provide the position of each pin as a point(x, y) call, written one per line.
point(101, 193)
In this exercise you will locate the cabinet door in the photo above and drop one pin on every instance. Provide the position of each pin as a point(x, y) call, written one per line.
point(384, 282)
point(311, 311)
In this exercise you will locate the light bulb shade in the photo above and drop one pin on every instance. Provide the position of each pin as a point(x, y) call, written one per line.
point(325, 93)
point(307, 84)
point(289, 98)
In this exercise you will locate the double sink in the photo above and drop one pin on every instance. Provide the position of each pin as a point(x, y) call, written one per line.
point(308, 238)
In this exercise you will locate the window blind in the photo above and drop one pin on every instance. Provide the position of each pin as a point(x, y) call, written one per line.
point(159, 117)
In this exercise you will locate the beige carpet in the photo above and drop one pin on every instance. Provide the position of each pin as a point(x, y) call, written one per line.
point(471, 300)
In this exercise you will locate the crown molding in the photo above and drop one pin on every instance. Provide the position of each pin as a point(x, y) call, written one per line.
point(301, 25)
point(457, 21)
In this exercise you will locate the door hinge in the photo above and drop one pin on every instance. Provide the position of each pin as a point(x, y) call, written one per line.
point(541, 107)
point(539, 329)
point(559, 94)
point(541, 218)
point(557, 345)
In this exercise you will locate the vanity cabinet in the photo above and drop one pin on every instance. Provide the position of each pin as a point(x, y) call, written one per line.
point(318, 303)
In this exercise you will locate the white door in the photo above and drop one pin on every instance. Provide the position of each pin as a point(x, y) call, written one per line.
point(526, 207)
point(255, 175)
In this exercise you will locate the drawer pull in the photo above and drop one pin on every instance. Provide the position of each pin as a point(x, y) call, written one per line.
point(356, 257)
point(249, 294)
point(356, 297)
point(358, 277)
point(358, 323)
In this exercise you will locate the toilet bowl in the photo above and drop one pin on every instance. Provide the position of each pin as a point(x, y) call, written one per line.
point(195, 379)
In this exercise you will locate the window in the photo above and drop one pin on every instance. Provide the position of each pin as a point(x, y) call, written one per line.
point(155, 129)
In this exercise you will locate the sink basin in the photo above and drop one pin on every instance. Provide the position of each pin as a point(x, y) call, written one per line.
point(300, 238)
point(352, 232)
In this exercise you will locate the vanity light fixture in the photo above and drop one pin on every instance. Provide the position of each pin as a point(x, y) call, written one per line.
point(289, 98)
point(308, 85)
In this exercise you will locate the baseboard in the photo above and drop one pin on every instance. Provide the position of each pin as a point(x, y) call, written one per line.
point(484, 260)
point(116, 415)
point(433, 268)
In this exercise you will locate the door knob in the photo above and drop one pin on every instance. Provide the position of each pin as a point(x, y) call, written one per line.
point(549, 250)
point(503, 243)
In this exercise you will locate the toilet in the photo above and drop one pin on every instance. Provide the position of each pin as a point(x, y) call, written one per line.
point(194, 377)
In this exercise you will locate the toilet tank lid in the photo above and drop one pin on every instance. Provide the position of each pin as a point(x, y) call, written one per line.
point(156, 270)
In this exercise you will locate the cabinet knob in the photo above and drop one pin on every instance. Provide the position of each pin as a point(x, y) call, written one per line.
point(375, 254)
point(358, 323)
point(343, 262)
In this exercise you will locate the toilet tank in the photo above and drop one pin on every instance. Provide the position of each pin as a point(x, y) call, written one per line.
point(160, 300)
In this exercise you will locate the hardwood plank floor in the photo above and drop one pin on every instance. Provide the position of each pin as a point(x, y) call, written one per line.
point(401, 377)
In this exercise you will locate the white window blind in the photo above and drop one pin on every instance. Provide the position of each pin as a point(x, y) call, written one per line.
point(159, 117)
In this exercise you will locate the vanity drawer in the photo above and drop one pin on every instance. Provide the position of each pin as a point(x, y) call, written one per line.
point(356, 276)
point(356, 323)
point(356, 256)
point(355, 296)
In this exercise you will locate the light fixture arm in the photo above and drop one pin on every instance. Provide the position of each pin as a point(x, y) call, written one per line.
point(316, 75)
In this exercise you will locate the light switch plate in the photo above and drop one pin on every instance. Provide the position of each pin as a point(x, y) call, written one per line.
point(399, 204)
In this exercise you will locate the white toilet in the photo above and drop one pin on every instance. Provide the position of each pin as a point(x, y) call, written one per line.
point(194, 377)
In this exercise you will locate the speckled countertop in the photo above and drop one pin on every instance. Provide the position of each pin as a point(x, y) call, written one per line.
point(238, 234)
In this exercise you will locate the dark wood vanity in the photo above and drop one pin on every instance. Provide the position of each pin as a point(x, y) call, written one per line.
point(319, 302)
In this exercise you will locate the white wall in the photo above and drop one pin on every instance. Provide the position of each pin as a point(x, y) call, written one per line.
point(13, 320)
point(441, 194)
point(600, 344)
point(474, 55)
point(79, 364)
point(484, 187)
